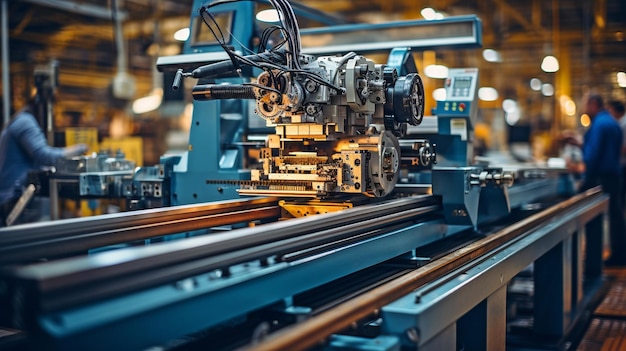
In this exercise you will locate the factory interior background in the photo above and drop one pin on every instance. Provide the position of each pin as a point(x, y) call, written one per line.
point(586, 38)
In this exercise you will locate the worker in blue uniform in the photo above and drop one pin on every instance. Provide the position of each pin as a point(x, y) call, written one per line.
point(23, 147)
point(601, 155)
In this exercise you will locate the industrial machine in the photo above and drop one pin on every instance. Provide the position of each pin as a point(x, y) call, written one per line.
point(401, 241)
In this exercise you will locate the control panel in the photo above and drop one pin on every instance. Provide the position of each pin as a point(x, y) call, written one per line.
point(461, 88)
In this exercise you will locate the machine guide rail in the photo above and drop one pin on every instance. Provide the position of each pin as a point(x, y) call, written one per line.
point(57, 283)
point(56, 296)
point(30, 242)
point(309, 333)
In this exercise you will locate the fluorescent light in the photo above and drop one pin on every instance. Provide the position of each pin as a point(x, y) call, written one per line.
point(428, 13)
point(488, 94)
point(535, 84)
point(550, 64)
point(148, 103)
point(439, 94)
point(182, 34)
point(512, 117)
point(621, 79)
point(547, 89)
point(491, 55)
point(509, 105)
point(269, 16)
point(436, 71)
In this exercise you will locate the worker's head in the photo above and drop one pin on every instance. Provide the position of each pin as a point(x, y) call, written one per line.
point(594, 105)
point(615, 108)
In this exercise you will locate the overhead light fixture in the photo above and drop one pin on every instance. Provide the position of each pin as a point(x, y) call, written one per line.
point(621, 79)
point(428, 13)
point(585, 120)
point(568, 106)
point(436, 71)
point(488, 94)
point(491, 55)
point(509, 105)
point(550, 64)
point(547, 89)
point(268, 16)
point(148, 103)
point(182, 34)
point(535, 84)
point(439, 94)
point(512, 117)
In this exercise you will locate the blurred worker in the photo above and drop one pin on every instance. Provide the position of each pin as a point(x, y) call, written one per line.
point(616, 109)
point(602, 147)
point(23, 147)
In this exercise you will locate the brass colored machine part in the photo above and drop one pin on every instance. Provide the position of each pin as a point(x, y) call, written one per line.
point(295, 209)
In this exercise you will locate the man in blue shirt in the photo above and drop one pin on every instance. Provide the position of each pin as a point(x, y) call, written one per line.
point(601, 154)
point(23, 147)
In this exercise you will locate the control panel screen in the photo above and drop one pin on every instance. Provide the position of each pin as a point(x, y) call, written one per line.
point(461, 86)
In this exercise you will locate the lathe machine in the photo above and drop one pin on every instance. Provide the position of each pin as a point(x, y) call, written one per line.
point(399, 241)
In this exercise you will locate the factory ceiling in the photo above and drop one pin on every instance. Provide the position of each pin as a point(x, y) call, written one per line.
point(587, 36)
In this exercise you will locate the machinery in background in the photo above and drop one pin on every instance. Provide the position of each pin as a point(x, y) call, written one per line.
point(309, 126)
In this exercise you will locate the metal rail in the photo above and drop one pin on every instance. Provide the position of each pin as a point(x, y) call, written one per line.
point(307, 334)
point(28, 242)
point(91, 276)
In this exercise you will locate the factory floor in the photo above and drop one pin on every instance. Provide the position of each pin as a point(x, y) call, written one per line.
point(607, 327)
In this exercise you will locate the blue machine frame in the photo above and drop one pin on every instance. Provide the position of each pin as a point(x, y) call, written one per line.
point(218, 145)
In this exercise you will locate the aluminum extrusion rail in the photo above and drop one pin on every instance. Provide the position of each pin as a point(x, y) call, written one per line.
point(29, 242)
point(66, 283)
point(309, 333)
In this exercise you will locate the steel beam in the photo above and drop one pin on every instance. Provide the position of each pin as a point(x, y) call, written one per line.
point(80, 8)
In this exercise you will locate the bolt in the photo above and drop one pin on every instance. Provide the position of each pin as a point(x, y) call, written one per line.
point(413, 334)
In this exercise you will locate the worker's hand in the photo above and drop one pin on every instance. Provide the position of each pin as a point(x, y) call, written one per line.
point(75, 150)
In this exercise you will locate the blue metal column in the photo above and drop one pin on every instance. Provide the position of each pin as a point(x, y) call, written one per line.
point(553, 288)
point(577, 270)
point(484, 327)
point(593, 253)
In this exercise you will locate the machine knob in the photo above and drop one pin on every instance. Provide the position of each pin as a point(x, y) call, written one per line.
point(408, 99)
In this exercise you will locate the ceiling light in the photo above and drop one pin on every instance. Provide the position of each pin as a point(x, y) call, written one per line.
point(269, 16)
point(585, 121)
point(439, 15)
point(535, 84)
point(550, 64)
point(148, 103)
point(436, 71)
point(439, 94)
point(547, 89)
point(182, 34)
point(512, 117)
point(428, 13)
point(621, 79)
point(491, 55)
point(509, 105)
point(488, 94)
point(568, 106)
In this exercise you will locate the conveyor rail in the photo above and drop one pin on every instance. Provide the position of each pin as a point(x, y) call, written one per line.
point(29, 242)
point(61, 284)
point(309, 333)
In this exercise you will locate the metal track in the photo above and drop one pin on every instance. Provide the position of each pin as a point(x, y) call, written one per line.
point(70, 282)
point(309, 333)
point(66, 237)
